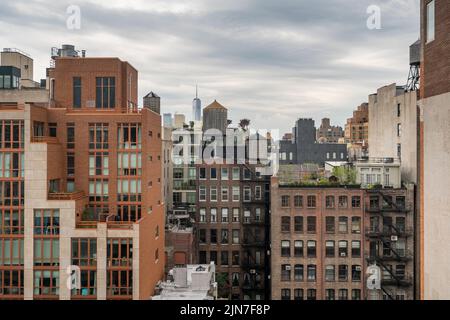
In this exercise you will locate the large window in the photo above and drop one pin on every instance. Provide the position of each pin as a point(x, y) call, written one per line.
point(431, 21)
point(119, 267)
point(11, 282)
point(11, 221)
point(46, 222)
point(105, 94)
point(46, 283)
point(11, 164)
point(11, 134)
point(98, 136)
point(129, 164)
point(46, 252)
point(84, 252)
point(129, 136)
point(99, 164)
point(11, 252)
point(129, 190)
point(76, 92)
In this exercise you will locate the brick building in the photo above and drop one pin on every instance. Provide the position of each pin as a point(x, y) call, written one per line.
point(323, 239)
point(83, 189)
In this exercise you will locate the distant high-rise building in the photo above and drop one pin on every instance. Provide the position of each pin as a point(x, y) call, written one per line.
point(215, 116)
point(153, 102)
point(167, 120)
point(197, 107)
point(179, 120)
point(327, 133)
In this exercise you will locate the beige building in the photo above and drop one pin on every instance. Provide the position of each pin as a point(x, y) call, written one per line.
point(435, 148)
point(393, 128)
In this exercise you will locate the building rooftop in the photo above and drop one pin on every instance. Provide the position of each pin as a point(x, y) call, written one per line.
point(151, 94)
point(215, 105)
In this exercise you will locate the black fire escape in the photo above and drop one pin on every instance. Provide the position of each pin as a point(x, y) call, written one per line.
point(256, 235)
point(381, 238)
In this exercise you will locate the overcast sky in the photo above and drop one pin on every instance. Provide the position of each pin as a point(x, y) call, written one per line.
point(271, 61)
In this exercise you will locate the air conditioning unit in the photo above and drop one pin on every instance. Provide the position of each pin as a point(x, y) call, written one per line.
point(90, 103)
point(343, 254)
point(394, 238)
point(288, 268)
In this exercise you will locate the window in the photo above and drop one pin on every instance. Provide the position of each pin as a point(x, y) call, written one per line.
point(202, 173)
point(76, 82)
point(311, 294)
point(70, 164)
point(236, 174)
point(343, 225)
point(356, 225)
point(224, 194)
point(52, 129)
point(213, 194)
point(224, 258)
point(285, 248)
point(202, 257)
point(247, 174)
point(99, 164)
point(356, 202)
point(46, 252)
point(298, 248)
point(356, 294)
point(98, 136)
point(11, 222)
point(213, 174)
point(311, 249)
point(84, 252)
point(311, 276)
point(298, 272)
point(356, 248)
point(311, 224)
point(247, 194)
point(285, 294)
point(285, 201)
point(202, 235)
point(11, 253)
point(224, 173)
point(285, 224)
point(329, 202)
point(343, 249)
point(298, 224)
point(298, 294)
point(298, 201)
point(431, 22)
point(258, 215)
point(258, 194)
point(202, 215)
point(11, 282)
point(329, 249)
point(399, 130)
point(399, 110)
point(213, 236)
point(329, 273)
point(343, 294)
point(329, 224)
point(343, 272)
point(46, 283)
point(343, 202)
point(105, 94)
point(235, 214)
point(213, 217)
point(235, 193)
point(285, 272)
point(330, 294)
point(70, 135)
point(202, 193)
point(225, 215)
point(311, 201)
point(129, 163)
point(235, 255)
point(356, 273)
point(46, 222)
point(98, 190)
point(247, 215)
point(213, 257)
point(235, 236)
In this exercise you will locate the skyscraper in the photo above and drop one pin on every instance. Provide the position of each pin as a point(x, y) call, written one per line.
point(196, 107)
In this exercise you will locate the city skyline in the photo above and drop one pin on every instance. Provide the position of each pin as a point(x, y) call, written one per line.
point(314, 60)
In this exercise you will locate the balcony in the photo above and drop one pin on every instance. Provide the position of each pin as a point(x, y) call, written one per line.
point(76, 195)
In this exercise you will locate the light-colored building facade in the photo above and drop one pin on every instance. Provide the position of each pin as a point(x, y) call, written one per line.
point(435, 148)
point(357, 132)
point(393, 128)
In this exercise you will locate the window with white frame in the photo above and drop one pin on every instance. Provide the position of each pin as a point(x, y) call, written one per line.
point(247, 194)
point(224, 193)
point(236, 193)
point(431, 21)
point(236, 173)
point(213, 215)
point(225, 215)
point(235, 214)
point(202, 193)
point(213, 194)
point(202, 215)
point(224, 173)
point(258, 194)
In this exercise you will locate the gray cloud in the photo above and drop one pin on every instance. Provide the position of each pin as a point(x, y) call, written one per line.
point(270, 61)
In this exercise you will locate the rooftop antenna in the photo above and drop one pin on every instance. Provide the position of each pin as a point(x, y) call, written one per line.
point(196, 91)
